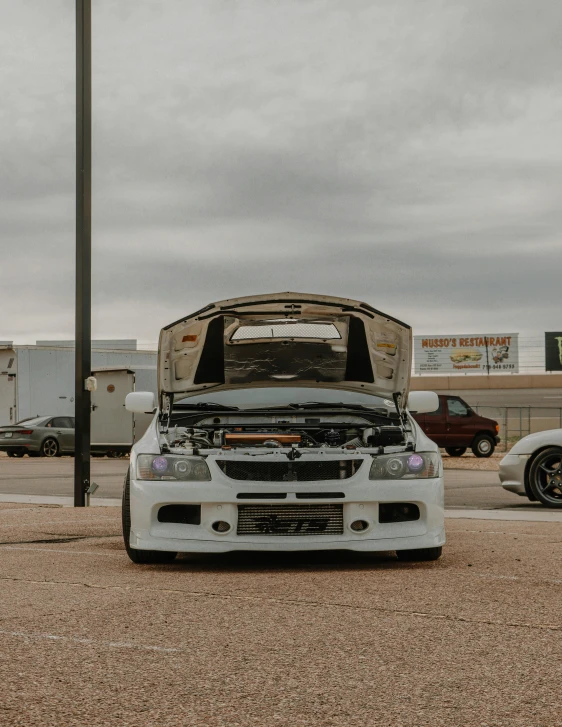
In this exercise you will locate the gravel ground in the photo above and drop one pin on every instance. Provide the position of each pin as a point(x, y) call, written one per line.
point(87, 638)
point(470, 462)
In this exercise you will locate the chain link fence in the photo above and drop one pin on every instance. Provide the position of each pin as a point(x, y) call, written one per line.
point(519, 421)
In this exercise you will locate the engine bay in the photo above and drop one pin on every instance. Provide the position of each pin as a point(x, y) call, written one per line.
point(291, 433)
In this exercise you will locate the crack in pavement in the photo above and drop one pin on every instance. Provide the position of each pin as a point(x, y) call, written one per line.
point(297, 602)
point(64, 552)
point(68, 539)
point(87, 609)
point(62, 539)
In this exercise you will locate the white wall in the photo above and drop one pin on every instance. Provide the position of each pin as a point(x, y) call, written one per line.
point(45, 378)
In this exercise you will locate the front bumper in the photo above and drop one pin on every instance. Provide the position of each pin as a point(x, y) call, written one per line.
point(512, 473)
point(219, 501)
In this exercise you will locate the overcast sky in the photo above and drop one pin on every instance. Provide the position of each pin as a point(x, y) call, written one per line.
point(407, 153)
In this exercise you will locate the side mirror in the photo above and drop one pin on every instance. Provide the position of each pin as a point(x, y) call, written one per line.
point(140, 402)
point(422, 402)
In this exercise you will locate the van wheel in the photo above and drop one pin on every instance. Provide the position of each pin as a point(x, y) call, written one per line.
point(483, 446)
point(138, 556)
point(455, 451)
point(419, 555)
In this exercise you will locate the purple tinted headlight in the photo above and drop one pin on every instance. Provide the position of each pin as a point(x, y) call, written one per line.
point(406, 467)
point(160, 464)
point(415, 463)
point(171, 467)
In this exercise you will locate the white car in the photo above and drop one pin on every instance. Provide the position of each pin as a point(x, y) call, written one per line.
point(281, 425)
point(533, 468)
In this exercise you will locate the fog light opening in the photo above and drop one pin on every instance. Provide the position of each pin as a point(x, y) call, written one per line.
point(359, 526)
point(221, 526)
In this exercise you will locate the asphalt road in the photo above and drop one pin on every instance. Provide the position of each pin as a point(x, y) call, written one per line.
point(275, 640)
point(463, 488)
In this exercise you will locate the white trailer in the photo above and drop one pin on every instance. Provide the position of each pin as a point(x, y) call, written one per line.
point(39, 380)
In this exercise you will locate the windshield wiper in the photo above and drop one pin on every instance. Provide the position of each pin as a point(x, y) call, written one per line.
point(205, 406)
point(340, 405)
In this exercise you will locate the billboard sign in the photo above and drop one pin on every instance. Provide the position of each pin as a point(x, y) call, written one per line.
point(487, 353)
point(553, 351)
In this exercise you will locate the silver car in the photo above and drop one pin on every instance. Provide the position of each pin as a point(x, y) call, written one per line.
point(533, 468)
point(38, 437)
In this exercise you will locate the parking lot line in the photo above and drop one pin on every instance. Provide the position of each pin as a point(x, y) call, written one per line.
point(539, 516)
point(64, 501)
point(94, 642)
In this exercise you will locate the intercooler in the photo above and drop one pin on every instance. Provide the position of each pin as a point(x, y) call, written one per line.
point(290, 520)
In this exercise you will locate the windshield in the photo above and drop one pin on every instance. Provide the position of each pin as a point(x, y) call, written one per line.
point(252, 398)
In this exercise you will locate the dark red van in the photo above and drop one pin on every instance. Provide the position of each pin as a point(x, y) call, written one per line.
point(455, 426)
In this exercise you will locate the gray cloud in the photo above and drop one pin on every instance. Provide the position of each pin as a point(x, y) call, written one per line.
point(403, 153)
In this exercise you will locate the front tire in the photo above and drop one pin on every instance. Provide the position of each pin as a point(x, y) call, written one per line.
point(455, 451)
point(419, 554)
point(50, 448)
point(545, 477)
point(138, 556)
point(483, 446)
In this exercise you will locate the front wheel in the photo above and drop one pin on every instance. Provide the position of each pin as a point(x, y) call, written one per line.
point(50, 448)
point(138, 556)
point(545, 477)
point(419, 554)
point(483, 446)
point(455, 451)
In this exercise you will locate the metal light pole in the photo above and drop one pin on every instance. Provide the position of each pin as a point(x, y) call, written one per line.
point(83, 342)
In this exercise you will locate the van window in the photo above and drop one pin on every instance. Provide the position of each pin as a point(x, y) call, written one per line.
point(457, 408)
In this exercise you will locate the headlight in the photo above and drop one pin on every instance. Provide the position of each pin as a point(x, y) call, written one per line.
point(407, 466)
point(169, 467)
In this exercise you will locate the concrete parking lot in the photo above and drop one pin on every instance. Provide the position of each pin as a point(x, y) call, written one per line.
point(88, 638)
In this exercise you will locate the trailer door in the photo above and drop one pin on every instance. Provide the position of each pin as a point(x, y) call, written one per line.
point(7, 399)
point(111, 423)
point(8, 371)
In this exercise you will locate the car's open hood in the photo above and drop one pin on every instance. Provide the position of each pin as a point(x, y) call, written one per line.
point(286, 339)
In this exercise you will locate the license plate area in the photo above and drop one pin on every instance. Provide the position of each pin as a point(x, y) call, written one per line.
point(290, 520)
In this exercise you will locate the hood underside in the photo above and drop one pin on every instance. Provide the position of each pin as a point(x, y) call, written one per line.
point(286, 339)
